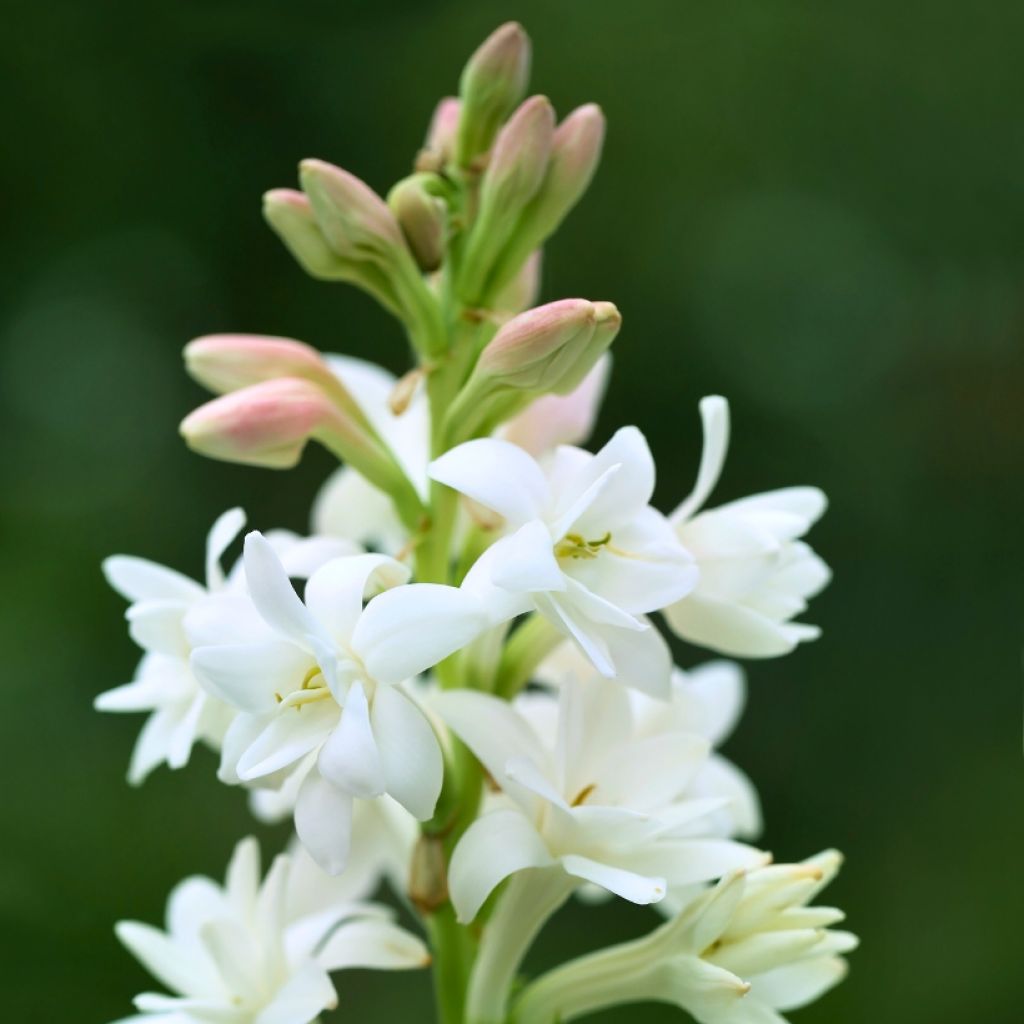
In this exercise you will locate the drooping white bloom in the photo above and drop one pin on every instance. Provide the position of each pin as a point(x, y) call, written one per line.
point(755, 572)
point(252, 953)
point(738, 953)
point(325, 678)
point(587, 550)
point(706, 701)
point(166, 610)
point(606, 807)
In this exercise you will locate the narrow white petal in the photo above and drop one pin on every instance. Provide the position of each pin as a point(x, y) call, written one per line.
point(407, 630)
point(795, 985)
point(498, 475)
point(301, 999)
point(373, 943)
point(714, 412)
point(527, 561)
point(227, 527)
point(157, 626)
point(642, 660)
point(178, 966)
point(138, 579)
point(587, 635)
point(409, 752)
point(323, 821)
point(350, 759)
point(272, 592)
point(348, 505)
point(630, 886)
point(729, 628)
point(290, 735)
point(492, 848)
point(251, 677)
point(629, 490)
point(336, 591)
point(152, 746)
point(499, 605)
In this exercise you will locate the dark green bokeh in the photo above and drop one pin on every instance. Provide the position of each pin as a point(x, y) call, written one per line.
point(813, 208)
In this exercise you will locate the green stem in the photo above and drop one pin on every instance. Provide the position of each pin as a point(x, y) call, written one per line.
point(529, 899)
point(452, 950)
point(529, 645)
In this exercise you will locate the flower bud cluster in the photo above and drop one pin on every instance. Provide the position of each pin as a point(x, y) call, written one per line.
point(455, 684)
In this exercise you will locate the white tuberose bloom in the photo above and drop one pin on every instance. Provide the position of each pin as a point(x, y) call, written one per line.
point(588, 552)
point(739, 953)
point(251, 953)
point(603, 806)
point(325, 680)
point(755, 573)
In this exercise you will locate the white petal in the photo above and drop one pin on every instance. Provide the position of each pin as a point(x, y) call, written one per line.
point(529, 774)
point(222, 533)
point(804, 503)
point(642, 660)
point(178, 966)
point(796, 985)
point(377, 944)
point(497, 474)
point(272, 592)
point(138, 579)
point(157, 626)
point(232, 947)
point(575, 498)
point(527, 561)
point(153, 744)
point(629, 490)
point(630, 886)
point(409, 752)
point(290, 735)
point(252, 677)
point(335, 592)
point(407, 630)
point(589, 637)
point(729, 628)
point(719, 690)
point(192, 902)
point(349, 506)
point(492, 848)
point(714, 412)
point(498, 604)
point(650, 773)
point(722, 778)
point(323, 821)
point(350, 758)
point(301, 998)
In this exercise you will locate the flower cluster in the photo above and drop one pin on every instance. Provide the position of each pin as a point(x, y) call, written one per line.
point(455, 683)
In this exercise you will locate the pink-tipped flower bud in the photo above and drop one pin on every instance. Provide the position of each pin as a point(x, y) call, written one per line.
point(439, 148)
point(291, 217)
point(607, 323)
point(266, 424)
point(521, 292)
point(492, 83)
point(421, 215)
point(229, 362)
point(356, 222)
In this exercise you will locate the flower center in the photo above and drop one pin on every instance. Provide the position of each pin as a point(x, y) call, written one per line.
point(314, 687)
point(572, 545)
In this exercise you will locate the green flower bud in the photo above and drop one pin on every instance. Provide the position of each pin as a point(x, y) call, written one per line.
point(421, 215)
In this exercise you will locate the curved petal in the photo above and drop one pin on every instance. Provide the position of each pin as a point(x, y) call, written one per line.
point(290, 735)
point(373, 943)
point(157, 626)
point(409, 752)
point(719, 691)
point(729, 628)
point(272, 592)
point(630, 886)
point(498, 604)
point(407, 630)
point(138, 579)
point(251, 677)
point(714, 412)
point(227, 527)
point(492, 848)
point(323, 822)
point(498, 475)
point(180, 967)
point(795, 985)
point(335, 592)
point(642, 660)
point(350, 759)
point(348, 505)
point(525, 561)
point(301, 998)
point(629, 490)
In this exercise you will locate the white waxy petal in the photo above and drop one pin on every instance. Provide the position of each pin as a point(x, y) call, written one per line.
point(629, 490)
point(497, 474)
point(193, 902)
point(803, 503)
point(410, 755)
point(529, 775)
point(350, 759)
point(227, 527)
point(232, 946)
point(525, 561)
point(138, 579)
point(499, 605)
point(302, 556)
point(290, 734)
point(714, 412)
point(253, 678)
point(492, 848)
point(156, 626)
point(181, 968)
point(373, 943)
point(409, 629)
point(630, 886)
point(729, 628)
point(152, 745)
point(642, 660)
point(273, 594)
point(323, 821)
point(795, 985)
point(336, 591)
point(242, 880)
point(650, 773)
point(575, 503)
point(348, 505)
point(301, 999)
point(588, 636)
point(719, 691)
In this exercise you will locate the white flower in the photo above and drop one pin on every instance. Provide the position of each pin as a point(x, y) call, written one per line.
point(755, 574)
point(737, 954)
point(604, 806)
point(166, 611)
point(706, 701)
point(588, 552)
point(325, 680)
point(251, 953)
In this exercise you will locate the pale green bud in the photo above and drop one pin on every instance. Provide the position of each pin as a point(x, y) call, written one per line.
point(492, 83)
point(439, 148)
point(421, 216)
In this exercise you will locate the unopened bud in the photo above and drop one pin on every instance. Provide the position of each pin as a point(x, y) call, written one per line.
point(229, 362)
point(517, 168)
point(534, 350)
point(439, 148)
point(607, 322)
point(288, 212)
point(575, 154)
point(492, 83)
point(355, 220)
point(266, 424)
point(521, 292)
point(421, 215)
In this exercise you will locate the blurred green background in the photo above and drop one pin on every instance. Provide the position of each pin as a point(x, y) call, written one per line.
point(814, 208)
